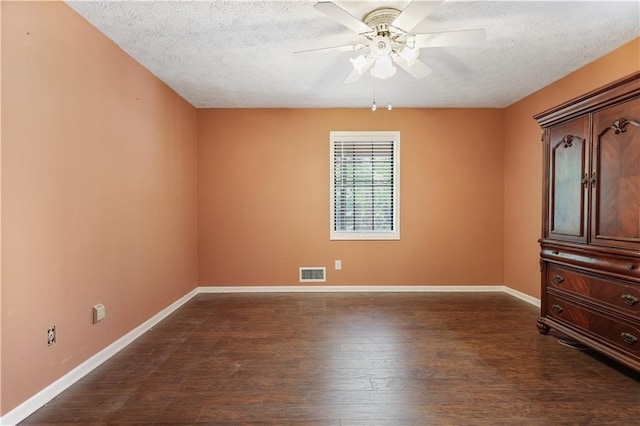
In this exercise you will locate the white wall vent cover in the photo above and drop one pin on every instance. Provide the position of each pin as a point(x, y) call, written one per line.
point(313, 274)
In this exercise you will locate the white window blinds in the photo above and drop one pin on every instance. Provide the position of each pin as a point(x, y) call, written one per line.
point(364, 187)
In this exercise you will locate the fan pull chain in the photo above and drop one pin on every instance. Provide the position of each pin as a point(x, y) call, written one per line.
point(373, 104)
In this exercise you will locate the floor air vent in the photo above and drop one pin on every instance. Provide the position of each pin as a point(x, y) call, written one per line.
point(312, 275)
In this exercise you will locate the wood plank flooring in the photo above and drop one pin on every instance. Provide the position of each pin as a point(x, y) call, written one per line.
point(350, 359)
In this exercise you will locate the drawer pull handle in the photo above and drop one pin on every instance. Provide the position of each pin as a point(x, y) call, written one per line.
point(631, 267)
point(629, 338)
point(558, 279)
point(629, 299)
point(558, 309)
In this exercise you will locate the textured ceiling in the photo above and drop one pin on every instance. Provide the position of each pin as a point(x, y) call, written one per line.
point(240, 53)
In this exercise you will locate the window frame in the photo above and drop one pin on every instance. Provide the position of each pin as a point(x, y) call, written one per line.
point(366, 136)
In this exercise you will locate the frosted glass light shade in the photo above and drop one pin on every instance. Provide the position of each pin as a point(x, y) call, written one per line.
point(383, 68)
point(410, 55)
point(359, 63)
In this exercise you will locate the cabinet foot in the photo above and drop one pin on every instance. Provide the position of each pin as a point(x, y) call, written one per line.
point(542, 327)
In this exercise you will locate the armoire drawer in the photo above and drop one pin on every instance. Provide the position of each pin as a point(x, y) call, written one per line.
point(624, 297)
point(624, 267)
point(621, 334)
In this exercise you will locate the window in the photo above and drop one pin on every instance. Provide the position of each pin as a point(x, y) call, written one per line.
point(365, 186)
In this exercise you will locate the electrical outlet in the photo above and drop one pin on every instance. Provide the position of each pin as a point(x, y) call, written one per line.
point(338, 265)
point(99, 312)
point(51, 335)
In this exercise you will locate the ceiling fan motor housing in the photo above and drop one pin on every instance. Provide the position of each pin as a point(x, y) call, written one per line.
point(380, 20)
point(383, 36)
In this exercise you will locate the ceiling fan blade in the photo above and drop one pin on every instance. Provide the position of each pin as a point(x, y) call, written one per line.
point(414, 13)
point(355, 75)
point(343, 17)
point(343, 48)
point(448, 38)
point(418, 69)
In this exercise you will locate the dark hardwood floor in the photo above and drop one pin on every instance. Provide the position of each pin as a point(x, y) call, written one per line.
point(350, 359)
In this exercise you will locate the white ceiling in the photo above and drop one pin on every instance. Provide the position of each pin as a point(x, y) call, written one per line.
point(239, 54)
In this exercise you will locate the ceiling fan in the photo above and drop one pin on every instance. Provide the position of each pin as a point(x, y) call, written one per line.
point(387, 38)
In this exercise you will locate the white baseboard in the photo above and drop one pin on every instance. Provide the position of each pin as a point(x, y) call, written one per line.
point(31, 405)
point(355, 289)
point(522, 296)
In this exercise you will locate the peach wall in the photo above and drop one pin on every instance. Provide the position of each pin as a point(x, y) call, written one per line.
point(105, 173)
point(264, 198)
point(99, 194)
point(523, 161)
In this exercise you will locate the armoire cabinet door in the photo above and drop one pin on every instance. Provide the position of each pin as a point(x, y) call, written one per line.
point(616, 173)
point(568, 180)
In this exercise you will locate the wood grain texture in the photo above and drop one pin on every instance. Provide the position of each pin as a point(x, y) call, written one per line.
point(568, 165)
point(594, 304)
point(347, 360)
point(567, 189)
point(617, 199)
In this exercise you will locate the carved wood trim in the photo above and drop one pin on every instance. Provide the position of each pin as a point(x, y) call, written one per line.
point(568, 140)
point(619, 126)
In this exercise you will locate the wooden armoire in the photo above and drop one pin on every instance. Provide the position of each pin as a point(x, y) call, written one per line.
point(590, 245)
